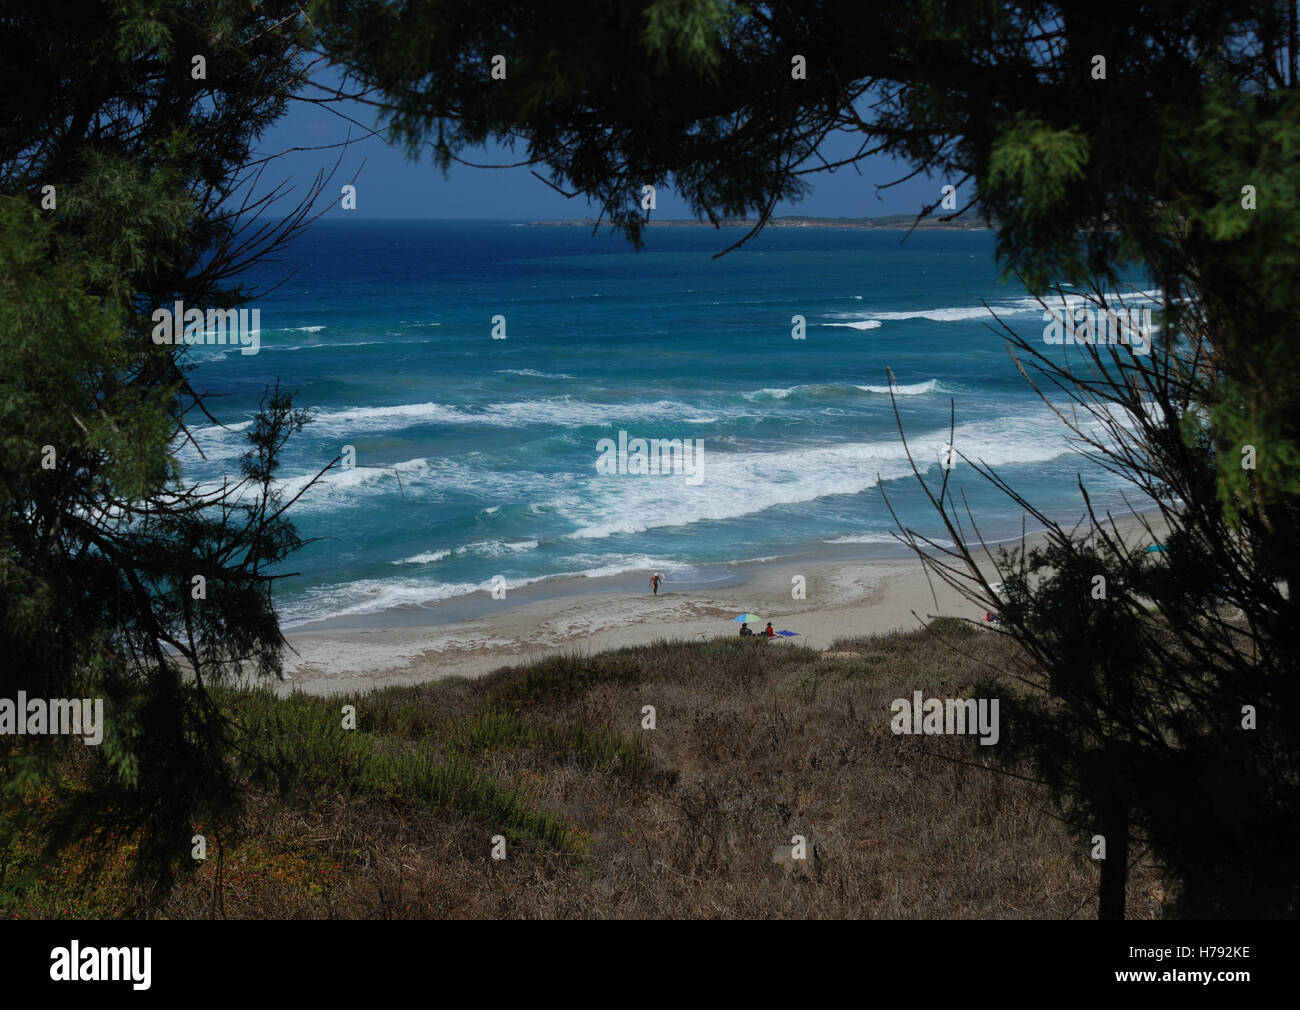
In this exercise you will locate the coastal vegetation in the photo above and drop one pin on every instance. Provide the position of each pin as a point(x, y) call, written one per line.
point(752, 746)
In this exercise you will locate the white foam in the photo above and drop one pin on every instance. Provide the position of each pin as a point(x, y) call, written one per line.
point(912, 389)
point(356, 422)
point(879, 538)
point(561, 411)
point(423, 476)
point(778, 393)
point(496, 548)
point(316, 347)
point(959, 314)
point(423, 559)
point(534, 373)
point(605, 566)
point(962, 313)
point(344, 480)
point(863, 538)
point(862, 324)
point(744, 483)
point(735, 483)
point(370, 596)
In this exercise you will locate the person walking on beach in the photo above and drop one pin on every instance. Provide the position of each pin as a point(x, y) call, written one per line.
point(655, 579)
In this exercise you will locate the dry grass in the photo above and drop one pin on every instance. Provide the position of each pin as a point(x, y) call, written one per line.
point(754, 744)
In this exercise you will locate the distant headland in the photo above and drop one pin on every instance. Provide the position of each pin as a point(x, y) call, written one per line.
point(963, 222)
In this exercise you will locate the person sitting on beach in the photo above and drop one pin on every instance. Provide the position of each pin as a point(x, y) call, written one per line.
point(655, 579)
point(744, 630)
point(768, 630)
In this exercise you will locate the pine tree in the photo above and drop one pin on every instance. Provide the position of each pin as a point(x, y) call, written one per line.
point(124, 152)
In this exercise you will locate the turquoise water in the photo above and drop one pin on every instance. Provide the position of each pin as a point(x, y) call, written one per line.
point(476, 457)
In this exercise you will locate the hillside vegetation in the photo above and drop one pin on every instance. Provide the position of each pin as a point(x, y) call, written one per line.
point(754, 744)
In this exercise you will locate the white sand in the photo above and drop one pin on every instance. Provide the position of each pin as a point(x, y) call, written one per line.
point(843, 600)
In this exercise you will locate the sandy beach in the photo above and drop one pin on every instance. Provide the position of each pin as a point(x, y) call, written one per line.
point(842, 599)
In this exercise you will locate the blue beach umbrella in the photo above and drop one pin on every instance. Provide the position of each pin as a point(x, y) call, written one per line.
point(745, 618)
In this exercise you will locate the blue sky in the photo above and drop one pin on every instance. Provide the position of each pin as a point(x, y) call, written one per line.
point(391, 186)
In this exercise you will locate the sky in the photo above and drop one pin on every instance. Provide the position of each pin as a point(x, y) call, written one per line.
point(391, 186)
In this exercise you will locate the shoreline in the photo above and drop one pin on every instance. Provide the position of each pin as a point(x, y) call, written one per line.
point(468, 637)
point(713, 575)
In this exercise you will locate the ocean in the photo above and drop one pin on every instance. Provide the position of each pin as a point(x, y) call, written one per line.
point(476, 457)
